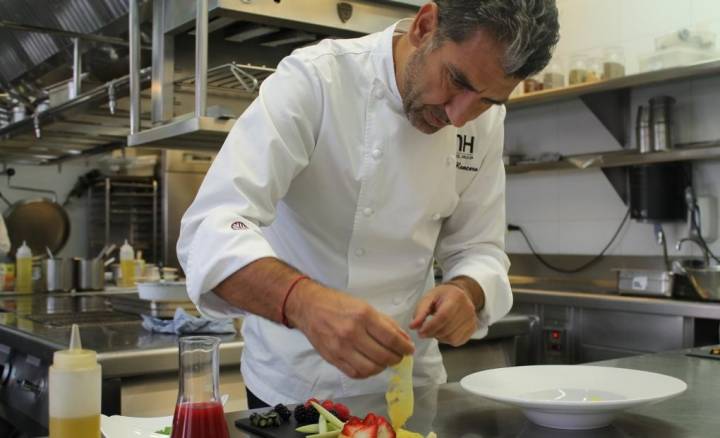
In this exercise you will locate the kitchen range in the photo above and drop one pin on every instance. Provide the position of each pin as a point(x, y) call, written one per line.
point(189, 182)
point(34, 327)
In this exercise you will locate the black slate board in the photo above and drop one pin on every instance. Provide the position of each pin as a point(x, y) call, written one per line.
point(285, 430)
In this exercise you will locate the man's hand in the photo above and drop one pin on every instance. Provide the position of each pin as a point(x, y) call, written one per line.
point(346, 331)
point(453, 315)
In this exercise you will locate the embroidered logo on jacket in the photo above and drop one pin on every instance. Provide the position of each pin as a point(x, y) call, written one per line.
point(465, 152)
point(238, 225)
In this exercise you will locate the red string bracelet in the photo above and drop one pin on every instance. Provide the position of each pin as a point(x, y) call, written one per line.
point(290, 290)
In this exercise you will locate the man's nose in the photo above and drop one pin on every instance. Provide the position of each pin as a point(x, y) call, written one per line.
point(462, 108)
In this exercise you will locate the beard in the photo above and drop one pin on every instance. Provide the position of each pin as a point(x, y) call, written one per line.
point(428, 119)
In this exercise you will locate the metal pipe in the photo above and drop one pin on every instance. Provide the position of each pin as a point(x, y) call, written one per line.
point(201, 57)
point(134, 35)
point(77, 68)
point(65, 33)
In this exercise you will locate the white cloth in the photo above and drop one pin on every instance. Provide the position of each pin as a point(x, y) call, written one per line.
point(325, 172)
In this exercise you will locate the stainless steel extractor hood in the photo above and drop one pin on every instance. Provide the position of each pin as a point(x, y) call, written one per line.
point(269, 24)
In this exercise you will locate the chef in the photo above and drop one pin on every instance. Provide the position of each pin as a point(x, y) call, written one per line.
point(361, 162)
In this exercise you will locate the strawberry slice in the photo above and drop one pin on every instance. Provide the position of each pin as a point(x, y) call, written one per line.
point(352, 425)
point(385, 430)
point(328, 404)
point(373, 426)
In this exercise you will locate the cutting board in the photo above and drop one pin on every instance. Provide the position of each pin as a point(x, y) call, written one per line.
point(285, 430)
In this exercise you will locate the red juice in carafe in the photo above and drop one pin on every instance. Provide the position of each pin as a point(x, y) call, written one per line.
point(199, 420)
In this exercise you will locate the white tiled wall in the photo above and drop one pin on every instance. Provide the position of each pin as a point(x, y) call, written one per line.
point(577, 212)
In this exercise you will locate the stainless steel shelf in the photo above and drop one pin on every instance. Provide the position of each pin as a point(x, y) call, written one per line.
point(186, 133)
point(706, 68)
point(76, 127)
point(693, 151)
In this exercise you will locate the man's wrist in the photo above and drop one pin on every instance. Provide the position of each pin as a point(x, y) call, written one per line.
point(471, 288)
point(296, 305)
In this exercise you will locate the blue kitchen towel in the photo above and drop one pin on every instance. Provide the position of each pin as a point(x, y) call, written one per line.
point(184, 323)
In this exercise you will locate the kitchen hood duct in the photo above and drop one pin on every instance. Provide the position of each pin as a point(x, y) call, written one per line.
point(25, 53)
point(298, 22)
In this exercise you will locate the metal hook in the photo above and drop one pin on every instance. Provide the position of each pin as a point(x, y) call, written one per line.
point(253, 84)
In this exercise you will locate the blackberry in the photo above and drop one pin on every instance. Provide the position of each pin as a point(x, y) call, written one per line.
point(283, 411)
point(305, 415)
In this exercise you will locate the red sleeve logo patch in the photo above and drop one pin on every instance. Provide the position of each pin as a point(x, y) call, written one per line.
point(238, 225)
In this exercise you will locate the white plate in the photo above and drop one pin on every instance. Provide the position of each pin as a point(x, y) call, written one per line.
point(118, 426)
point(572, 396)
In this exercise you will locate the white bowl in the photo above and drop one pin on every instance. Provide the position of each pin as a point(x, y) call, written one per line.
point(572, 396)
point(163, 291)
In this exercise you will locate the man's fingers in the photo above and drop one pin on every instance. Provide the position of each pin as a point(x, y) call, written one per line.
point(388, 334)
point(440, 319)
point(363, 366)
point(424, 308)
point(453, 326)
point(376, 352)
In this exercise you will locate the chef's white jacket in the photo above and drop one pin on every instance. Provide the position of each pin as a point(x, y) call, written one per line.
point(325, 172)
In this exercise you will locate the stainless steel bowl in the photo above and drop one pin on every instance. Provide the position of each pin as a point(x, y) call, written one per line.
point(706, 281)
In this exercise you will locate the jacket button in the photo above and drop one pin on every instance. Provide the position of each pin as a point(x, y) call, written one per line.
point(397, 301)
point(421, 261)
point(450, 160)
point(368, 211)
point(377, 154)
point(378, 93)
point(359, 252)
point(436, 217)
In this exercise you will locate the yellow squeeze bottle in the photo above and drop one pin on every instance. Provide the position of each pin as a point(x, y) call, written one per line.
point(23, 269)
point(75, 387)
point(127, 265)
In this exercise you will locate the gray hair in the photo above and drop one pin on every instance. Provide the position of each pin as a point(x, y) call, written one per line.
point(528, 28)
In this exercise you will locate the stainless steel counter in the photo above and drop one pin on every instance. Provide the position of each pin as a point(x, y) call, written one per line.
point(124, 348)
point(453, 413)
point(613, 301)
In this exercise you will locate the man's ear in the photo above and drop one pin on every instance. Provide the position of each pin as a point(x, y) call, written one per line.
point(424, 26)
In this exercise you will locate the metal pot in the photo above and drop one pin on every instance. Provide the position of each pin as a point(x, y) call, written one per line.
point(59, 275)
point(90, 274)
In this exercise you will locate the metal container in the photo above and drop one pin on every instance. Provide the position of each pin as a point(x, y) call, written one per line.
point(642, 130)
point(661, 123)
point(706, 282)
point(59, 276)
point(90, 274)
point(645, 282)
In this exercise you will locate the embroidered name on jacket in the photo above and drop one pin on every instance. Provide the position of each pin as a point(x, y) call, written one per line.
point(238, 225)
point(465, 152)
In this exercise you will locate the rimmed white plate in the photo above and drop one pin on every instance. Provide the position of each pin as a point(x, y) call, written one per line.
point(118, 426)
point(572, 396)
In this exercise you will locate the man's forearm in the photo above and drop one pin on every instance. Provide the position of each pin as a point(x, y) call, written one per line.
point(260, 287)
point(472, 288)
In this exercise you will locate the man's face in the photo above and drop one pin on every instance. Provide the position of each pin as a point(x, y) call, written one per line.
point(446, 83)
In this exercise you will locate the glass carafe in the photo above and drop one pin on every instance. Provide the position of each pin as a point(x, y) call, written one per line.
point(199, 411)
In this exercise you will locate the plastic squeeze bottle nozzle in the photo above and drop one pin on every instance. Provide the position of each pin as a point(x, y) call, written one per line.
point(75, 391)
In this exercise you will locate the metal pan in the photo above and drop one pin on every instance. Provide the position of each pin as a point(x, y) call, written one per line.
point(41, 222)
